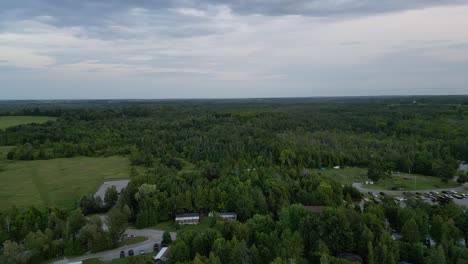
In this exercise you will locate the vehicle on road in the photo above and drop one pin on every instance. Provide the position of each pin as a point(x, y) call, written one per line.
point(156, 247)
point(382, 193)
point(130, 253)
point(142, 252)
point(122, 254)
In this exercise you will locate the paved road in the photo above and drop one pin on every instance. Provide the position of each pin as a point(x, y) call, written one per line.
point(154, 236)
point(120, 184)
point(368, 188)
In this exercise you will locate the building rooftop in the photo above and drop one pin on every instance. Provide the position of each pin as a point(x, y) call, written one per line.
point(188, 215)
point(162, 253)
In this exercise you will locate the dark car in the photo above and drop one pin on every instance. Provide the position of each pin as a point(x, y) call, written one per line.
point(130, 252)
point(122, 254)
point(382, 193)
point(156, 247)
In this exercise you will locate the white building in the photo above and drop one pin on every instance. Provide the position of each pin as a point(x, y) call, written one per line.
point(228, 217)
point(161, 257)
point(188, 219)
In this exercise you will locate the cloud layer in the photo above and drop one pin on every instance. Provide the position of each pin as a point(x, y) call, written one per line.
point(173, 49)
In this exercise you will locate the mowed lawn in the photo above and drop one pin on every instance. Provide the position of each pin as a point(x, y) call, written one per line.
point(10, 121)
point(413, 182)
point(346, 176)
point(56, 182)
point(398, 181)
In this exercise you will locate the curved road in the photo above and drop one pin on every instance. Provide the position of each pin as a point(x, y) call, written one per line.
point(154, 236)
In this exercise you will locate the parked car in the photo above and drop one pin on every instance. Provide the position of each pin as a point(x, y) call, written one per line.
point(382, 193)
point(142, 252)
point(156, 247)
point(130, 252)
point(122, 254)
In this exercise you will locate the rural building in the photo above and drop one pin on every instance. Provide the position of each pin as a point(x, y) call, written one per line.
point(228, 217)
point(188, 219)
point(161, 257)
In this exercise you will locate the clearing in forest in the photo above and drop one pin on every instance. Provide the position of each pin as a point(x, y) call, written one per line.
point(10, 121)
point(56, 182)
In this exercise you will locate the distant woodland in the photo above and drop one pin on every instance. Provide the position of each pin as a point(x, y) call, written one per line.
point(259, 158)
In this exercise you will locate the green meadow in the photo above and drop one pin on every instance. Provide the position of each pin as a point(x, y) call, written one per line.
point(56, 182)
point(10, 121)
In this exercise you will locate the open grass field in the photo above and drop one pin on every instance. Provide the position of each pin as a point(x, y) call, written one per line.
point(400, 181)
point(56, 182)
point(346, 176)
point(9, 121)
point(413, 182)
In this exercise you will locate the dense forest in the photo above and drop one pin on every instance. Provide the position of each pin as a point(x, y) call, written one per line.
point(258, 158)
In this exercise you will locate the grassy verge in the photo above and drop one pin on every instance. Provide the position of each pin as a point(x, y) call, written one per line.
point(412, 182)
point(400, 181)
point(346, 176)
point(10, 121)
point(131, 241)
point(56, 182)
point(135, 259)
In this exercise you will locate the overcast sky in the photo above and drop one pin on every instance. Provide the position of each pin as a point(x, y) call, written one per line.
point(84, 49)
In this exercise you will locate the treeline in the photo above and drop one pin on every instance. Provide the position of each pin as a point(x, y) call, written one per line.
point(411, 138)
point(161, 193)
point(35, 235)
point(337, 235)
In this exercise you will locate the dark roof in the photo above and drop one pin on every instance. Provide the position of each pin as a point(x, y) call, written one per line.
point(189, 215)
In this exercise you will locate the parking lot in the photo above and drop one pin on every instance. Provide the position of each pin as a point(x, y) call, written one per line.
point(431, 197)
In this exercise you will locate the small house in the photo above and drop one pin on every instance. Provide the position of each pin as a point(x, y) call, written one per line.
point(228, 217)
point(188, 219)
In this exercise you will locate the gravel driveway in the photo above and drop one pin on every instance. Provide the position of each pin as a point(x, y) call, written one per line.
point(120, 184)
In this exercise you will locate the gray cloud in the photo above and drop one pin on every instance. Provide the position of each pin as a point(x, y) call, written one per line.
point(81, 12)
point(207, 48)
